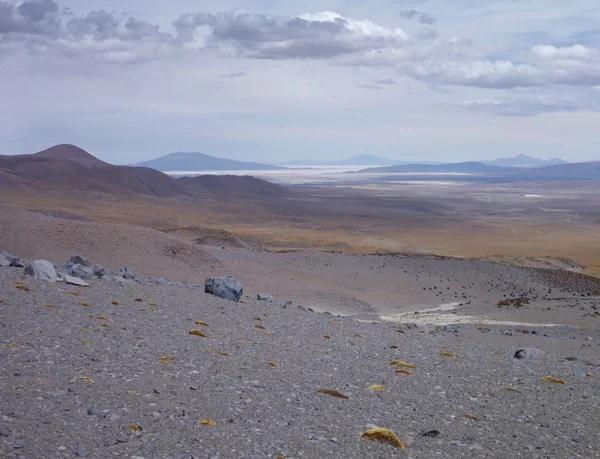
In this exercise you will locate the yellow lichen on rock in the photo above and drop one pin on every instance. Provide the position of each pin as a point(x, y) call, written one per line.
point(333, 393)
point(400, 363)
point(553, 380)
point(207, 423)
point(377, 388)
point(197, 333)
point(385, 436)
point(403, 372)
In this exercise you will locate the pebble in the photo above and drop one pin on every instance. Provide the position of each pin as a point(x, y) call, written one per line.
point(122, 438)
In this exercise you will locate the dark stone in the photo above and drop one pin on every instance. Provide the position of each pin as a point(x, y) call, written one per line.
point(79, 260)
point(431, 433)
point(8, 259)
point(127, 273)
point(530, 354)
point(81, 271)
point(98, 270)
point(263, 297)
point(224, 287)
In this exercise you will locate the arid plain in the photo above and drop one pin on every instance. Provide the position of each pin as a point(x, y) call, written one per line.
point(509, 222)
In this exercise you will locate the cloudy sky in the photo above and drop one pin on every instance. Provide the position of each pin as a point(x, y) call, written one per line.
point(275, 80)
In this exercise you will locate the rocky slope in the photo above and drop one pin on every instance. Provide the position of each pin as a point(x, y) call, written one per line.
point(113, 371)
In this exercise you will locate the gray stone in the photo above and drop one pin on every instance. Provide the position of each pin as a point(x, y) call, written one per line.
point(81, 451)
point(79, 260)
point(42, 270)
point(4, 261)
point(98, 270)
point(75, 281)
point(95, 412)
point(531, 354)
point(285, 304)
point(122, 438)
point(263, 297)
point(8, 259)
point(224, 287)
point(127, 273)
point(121, 280)
point(83, 272)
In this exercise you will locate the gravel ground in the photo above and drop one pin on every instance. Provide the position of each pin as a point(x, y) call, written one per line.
point(82, 377)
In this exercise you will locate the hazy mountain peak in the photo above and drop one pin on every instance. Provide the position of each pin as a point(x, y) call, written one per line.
point(194, 161)
point(523, 160)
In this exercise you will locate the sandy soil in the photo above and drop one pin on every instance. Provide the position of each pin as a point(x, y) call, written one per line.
point(365, 286)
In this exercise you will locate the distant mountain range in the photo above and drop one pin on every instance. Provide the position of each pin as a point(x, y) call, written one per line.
point(68, 169)
point(525, 161)
point(187, 162)
point(370, 160)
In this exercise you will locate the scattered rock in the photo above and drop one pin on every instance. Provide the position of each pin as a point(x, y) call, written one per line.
point(121, 280)
point(80, 452)
point(75, 281)
point(263, 297)
point(224, 287)
point(8, 259)
point(42, 270)
point(285, 304)
point(531, 354)
point(98, 270)
point(431, 433)
point(127, 273)
point(122, 438)
point(79, 260)
point(83, 272)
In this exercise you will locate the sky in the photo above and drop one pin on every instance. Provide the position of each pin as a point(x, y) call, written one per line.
point(276, 80)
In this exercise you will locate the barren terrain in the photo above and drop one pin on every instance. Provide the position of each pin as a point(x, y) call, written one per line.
point(396, 305)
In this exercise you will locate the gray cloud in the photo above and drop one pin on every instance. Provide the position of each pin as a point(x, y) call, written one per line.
point(101, 25)
point(35, 17)
point(317, 36)
point(384, 81)
point(527, 106)
point(368, 86)
point(37, 25)
point(572, 66)
point(423, 18)
point(233, 75)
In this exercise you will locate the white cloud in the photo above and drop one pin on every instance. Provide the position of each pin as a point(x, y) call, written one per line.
point(570, 52)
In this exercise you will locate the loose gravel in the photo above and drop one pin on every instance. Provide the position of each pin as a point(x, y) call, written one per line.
point(113, 371)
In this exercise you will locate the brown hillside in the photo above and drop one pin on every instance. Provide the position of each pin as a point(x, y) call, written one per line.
point(71, 167)
point(233, 186)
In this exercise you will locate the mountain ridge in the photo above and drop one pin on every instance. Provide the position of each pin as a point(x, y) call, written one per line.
point(194, 161)
point(67, 167)
point(523, 160)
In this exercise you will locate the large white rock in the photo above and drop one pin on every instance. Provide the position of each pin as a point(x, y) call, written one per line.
point(42, 270)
